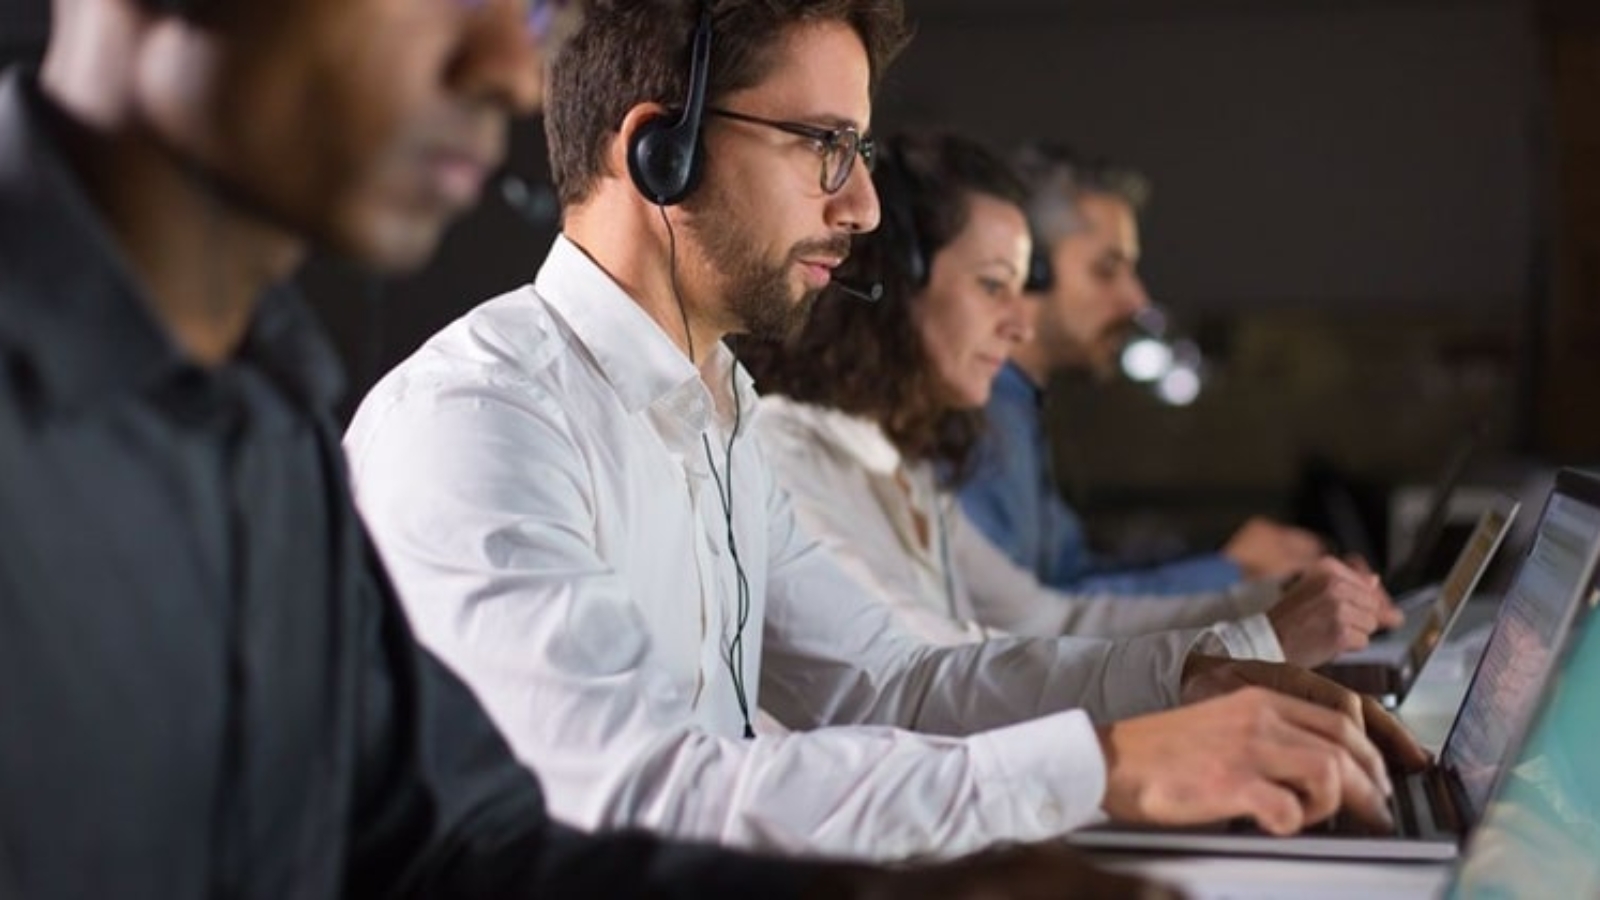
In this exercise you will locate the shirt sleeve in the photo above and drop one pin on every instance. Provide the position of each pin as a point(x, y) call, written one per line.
point(1009, 598)
point(480, 505)
point(1189, 575)
point(836, 655)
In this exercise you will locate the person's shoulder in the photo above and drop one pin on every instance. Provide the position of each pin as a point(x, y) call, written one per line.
point(510, 337)
point(504, 355)
point(507, 345)
point(814, 449)
point(1011, 407)
point(790, 428)
point(776, 413)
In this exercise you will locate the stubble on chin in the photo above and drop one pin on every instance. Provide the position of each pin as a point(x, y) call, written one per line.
point(772, 316)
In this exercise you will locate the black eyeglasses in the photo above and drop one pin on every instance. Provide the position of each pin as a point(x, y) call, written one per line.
point(838, 147)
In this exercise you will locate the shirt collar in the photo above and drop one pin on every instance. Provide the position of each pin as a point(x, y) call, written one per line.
point(1014, 384)
point(633, 353)
point(73, 309)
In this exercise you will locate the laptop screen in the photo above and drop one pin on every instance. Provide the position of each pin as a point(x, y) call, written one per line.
point(1526, 636)
point(1539, 836)
point(1463, 577)
point(1407, 573)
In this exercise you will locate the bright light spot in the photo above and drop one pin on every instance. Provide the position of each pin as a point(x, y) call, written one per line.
point(1146, 359)
point(1179, 387)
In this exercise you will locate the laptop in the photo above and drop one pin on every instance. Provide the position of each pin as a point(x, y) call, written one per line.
point(1388, 666)
point(1436, 808)
point(1540, 833)
point(1405, 576)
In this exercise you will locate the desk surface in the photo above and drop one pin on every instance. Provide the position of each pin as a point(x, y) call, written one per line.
point(1428, 710)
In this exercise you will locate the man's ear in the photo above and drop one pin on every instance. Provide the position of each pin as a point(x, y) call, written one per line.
point(638, 115)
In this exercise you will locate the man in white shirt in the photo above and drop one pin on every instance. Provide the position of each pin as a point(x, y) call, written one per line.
point(578, 524)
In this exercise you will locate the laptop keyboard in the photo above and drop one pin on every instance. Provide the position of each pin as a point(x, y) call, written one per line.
point(1430, 789)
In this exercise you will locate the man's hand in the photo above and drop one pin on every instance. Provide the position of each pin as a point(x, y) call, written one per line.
point(1278, 744)
point(1206, 677)
point(1047, 871)
point(1328, 609)
point(1281, 761)
point(1267, 549)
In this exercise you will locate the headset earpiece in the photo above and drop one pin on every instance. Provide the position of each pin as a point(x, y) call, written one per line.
point(665, 157)
point(1041, 274)
point(902, 240)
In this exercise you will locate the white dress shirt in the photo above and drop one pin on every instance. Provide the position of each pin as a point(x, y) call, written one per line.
point(536, 479)
point(895, 530)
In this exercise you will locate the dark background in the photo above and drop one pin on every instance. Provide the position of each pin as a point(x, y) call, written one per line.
point(1380, 217)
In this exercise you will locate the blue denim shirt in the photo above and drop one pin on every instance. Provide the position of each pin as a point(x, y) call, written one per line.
point(1013, 498)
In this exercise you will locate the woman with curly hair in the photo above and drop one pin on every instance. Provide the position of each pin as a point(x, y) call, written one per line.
point(871, 412)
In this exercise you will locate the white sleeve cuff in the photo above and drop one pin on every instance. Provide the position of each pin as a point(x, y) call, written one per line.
point(1248, 638)
point(1039, 778)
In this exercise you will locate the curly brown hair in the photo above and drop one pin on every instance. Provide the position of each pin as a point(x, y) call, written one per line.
point(868, 359)
point(628, 52)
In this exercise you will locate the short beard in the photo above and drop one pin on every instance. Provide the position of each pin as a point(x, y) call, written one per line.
point(761, 306)
point(759, 298)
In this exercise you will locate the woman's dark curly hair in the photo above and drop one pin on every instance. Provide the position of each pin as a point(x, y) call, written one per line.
point(867, 359)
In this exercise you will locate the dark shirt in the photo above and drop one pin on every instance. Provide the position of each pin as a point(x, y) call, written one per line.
point(207, 688)
point(1014, 500)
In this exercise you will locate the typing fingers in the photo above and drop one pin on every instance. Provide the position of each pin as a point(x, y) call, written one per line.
point(1276, 809)
point(1364, 784)
point(1314, 758)
point(1392, 738)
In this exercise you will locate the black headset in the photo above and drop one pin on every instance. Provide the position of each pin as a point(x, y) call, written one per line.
point(902, 240)
point(1041, 273)
point(665, 155)
point(665, 160)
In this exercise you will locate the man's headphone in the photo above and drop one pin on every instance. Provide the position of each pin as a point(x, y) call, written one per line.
point(1093, 174)
point(665, 156)
point(665, 160)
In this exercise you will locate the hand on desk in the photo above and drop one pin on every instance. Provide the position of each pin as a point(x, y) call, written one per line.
point(1277, 744)
point(1330, 608)
point(1046, 871)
